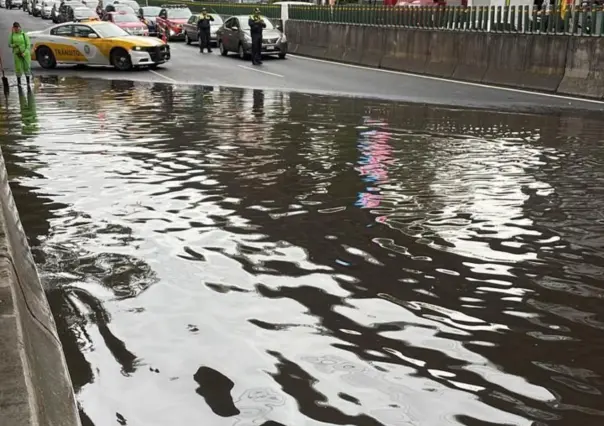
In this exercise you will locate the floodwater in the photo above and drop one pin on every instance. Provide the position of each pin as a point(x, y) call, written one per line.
point(233, 257)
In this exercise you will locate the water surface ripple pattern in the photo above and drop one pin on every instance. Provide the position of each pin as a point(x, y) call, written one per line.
point(240, 257)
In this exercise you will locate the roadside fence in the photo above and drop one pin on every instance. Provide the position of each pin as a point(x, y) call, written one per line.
point(584, 21)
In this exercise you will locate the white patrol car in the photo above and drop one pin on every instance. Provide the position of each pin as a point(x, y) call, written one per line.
point(96, 43)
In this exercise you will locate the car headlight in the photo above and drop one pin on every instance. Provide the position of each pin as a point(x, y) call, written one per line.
point(137, 48)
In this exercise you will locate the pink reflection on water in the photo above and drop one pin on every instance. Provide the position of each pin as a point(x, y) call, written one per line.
point(376, 157)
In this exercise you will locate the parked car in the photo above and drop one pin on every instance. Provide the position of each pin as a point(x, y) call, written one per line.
point(190, 28)
point(60, 14)
point(132, 3)
point(27, 6)
point(67, 12)
point(148, 16)
point(116, 7)
point(171, 19)
point(234, 36)
point(128, 22)
point(46, 9)
point(34, 7)
point(14, 4)
point(83, 13)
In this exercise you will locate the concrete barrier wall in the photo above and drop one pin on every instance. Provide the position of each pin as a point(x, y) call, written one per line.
point(569, 65)
point(35, 387)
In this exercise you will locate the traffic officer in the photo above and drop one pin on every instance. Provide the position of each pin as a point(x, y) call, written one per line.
point(203, 31)
point(100, 9)
point(256, 24)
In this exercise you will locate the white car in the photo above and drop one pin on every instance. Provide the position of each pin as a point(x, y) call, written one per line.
point(11, 4)
point(96, 43)
point(46, 10)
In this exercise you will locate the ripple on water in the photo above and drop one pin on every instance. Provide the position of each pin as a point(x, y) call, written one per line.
point(242, 257)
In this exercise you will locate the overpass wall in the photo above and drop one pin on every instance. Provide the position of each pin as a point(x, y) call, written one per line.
point(568, 65)
point(35, 387)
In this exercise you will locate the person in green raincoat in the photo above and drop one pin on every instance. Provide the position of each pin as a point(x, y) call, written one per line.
point(19, 42)
point(29, 114)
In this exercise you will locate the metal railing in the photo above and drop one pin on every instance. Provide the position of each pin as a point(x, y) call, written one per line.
point(226, 9)
point(500, 19)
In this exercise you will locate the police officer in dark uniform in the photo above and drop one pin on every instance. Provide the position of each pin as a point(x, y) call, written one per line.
point(256, 24)
point(203, 31)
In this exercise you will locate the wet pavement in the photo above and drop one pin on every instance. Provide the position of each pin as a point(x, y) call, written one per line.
point(244, 257)
point(188, 66)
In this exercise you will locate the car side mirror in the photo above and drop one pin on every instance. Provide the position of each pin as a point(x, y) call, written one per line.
point(93, 35)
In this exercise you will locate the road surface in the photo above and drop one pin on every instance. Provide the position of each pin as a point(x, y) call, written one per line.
point(188, 66)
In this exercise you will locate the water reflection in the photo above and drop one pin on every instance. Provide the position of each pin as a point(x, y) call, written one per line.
point(238, 257)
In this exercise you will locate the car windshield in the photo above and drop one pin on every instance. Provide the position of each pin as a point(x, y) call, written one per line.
point(83, 12)
point(125, 18)
point(179, 13)
point(123, 8)
point(217, 19)
point(108, 30)
point(151, 11)
point(134, 5)
point(244, 23)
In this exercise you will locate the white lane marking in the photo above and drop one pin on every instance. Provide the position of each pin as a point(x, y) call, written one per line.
point(257, 70)
point(171, 80)
point(467, 83)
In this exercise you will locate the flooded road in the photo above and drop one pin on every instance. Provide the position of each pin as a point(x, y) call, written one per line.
point(245, 257)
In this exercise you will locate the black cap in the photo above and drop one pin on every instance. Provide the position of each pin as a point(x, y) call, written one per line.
point(16, 24)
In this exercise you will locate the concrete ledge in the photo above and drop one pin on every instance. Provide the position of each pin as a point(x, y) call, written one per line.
point(584, 73)
point(473, 59)
point(569, 65)
point(507, 53)
point(35, 387)
point(545, 63)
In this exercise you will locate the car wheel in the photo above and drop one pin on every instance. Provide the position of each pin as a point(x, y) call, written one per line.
point(187, 39)
point(241, 52)
point(282, 55)
point(46, 58)
point(222, 49)
point(120, 59)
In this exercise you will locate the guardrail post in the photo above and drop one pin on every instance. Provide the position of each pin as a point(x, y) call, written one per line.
point(492, 18)
point(506, 22)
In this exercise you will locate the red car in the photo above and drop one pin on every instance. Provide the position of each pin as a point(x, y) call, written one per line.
point(129, 22)
point(171, 19)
